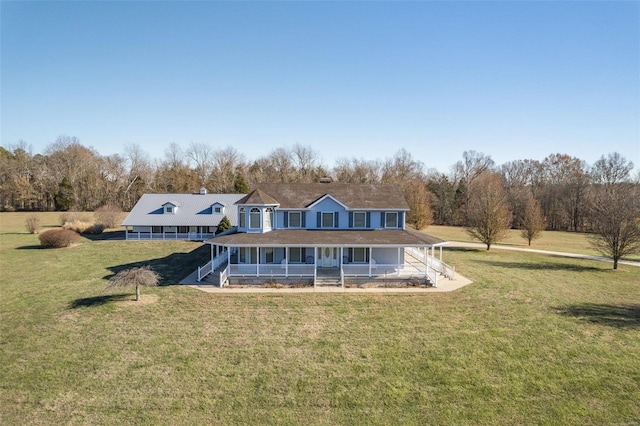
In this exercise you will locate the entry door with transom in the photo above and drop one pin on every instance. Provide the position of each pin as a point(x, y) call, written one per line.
point(328, 254)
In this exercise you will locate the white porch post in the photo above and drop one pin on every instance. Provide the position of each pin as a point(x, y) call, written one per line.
point(126, 232)
point(286, 262)
point(398, 262)
point(341, 265)
point(315, 265)
point(258, 261)
point(426, 261)
point(440, 253)
point(212, 251)
point(370, 253)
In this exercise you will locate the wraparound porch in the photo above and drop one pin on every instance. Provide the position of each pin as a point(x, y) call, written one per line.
point(324, 264)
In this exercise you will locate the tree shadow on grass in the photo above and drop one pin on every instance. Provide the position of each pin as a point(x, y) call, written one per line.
point(543, 266)
point(620, 316)
point(463, 249)
point(106, 236)
point(171, 268)
point(31, 247)
point(88, 302)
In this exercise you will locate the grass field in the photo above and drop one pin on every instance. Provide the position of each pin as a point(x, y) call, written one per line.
point(571, 242)
point(534, 340)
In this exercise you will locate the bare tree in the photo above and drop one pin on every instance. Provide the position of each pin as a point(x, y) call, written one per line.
point(615, 215)
point(472, 166)
point(223, 173)
point(532, 219)
point(489, 215)
point(140, 276)
point(357, 171)
point(306, 161)
point(418, 197)
point(202, 157)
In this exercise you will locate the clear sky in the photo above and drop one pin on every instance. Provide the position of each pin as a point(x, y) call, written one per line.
point(513, 80)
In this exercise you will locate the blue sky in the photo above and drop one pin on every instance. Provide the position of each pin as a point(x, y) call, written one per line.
point(514, 80)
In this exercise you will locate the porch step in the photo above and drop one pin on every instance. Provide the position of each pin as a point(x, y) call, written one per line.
point(328, 282)
point(211, 279)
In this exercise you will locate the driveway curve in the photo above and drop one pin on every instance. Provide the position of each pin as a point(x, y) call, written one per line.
point(553, 253)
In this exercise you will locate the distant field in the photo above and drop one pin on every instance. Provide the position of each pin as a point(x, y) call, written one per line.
point(534, 340)
point(571, 242)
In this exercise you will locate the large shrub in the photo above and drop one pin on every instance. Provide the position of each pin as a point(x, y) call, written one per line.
point(73, 217)
point(95, 229)
point(32, 224)
point(57, 238)
point(108, 215)
point(77, 226)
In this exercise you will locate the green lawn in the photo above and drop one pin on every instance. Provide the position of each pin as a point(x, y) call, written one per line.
point(534, 340)
point(571, 242)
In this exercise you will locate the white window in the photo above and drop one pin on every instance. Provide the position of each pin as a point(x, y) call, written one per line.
point(295, 255)
point(254, 218)
point(242, 220)
point(327, 220)
point(359, 255)
point(156, 229)
point(268, 255)
point(295, 219)
point(193, 229)
point(359, 219)
point(268, 219)
point(217, 209)
point(391, 220)
point(169, 209)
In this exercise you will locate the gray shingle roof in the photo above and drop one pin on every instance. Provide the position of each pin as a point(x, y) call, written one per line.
point(193, 210)
point(354, 196)
point(304, 237)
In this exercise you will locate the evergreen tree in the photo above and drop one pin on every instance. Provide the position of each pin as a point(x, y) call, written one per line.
point(224, 225)
point(240, 185)
point(64, 196)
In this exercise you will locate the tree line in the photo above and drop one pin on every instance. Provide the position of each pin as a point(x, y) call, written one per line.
point(71, 176)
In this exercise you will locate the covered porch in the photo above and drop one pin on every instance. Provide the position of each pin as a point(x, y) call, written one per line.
point(327, 262)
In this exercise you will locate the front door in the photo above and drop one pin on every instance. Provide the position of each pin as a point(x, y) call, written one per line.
point(327, 256)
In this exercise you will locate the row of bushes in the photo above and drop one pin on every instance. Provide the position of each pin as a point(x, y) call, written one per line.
point(106, 217)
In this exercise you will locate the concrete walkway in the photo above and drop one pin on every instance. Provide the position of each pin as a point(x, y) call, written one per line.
point(551, 253)
point(444, 285)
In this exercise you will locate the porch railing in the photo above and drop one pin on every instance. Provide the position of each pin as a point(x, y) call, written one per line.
point(212, 265)
point(147, 236)
point(439, 266)
point(224, 275)
point(269, 269)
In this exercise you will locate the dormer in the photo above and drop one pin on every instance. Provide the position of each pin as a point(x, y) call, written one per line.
point(256, 212)
point(217, 208)
point(171, 207)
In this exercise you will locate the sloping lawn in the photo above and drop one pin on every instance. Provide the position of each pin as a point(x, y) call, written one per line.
point(570, 242)
point(534, 340)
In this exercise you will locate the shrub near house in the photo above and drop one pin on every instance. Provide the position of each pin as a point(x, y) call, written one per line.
point(58, 238)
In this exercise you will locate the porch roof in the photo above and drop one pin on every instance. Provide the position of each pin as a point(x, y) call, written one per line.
point(332, 238)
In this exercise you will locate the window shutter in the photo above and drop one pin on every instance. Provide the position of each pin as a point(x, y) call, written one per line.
point(304, 219)
point(286, 220)
point(336, 221)
point(350, 255)
point(319, 220)
point(368, 219)
point(383, 223)
point(350, 219)
point(400, 219)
